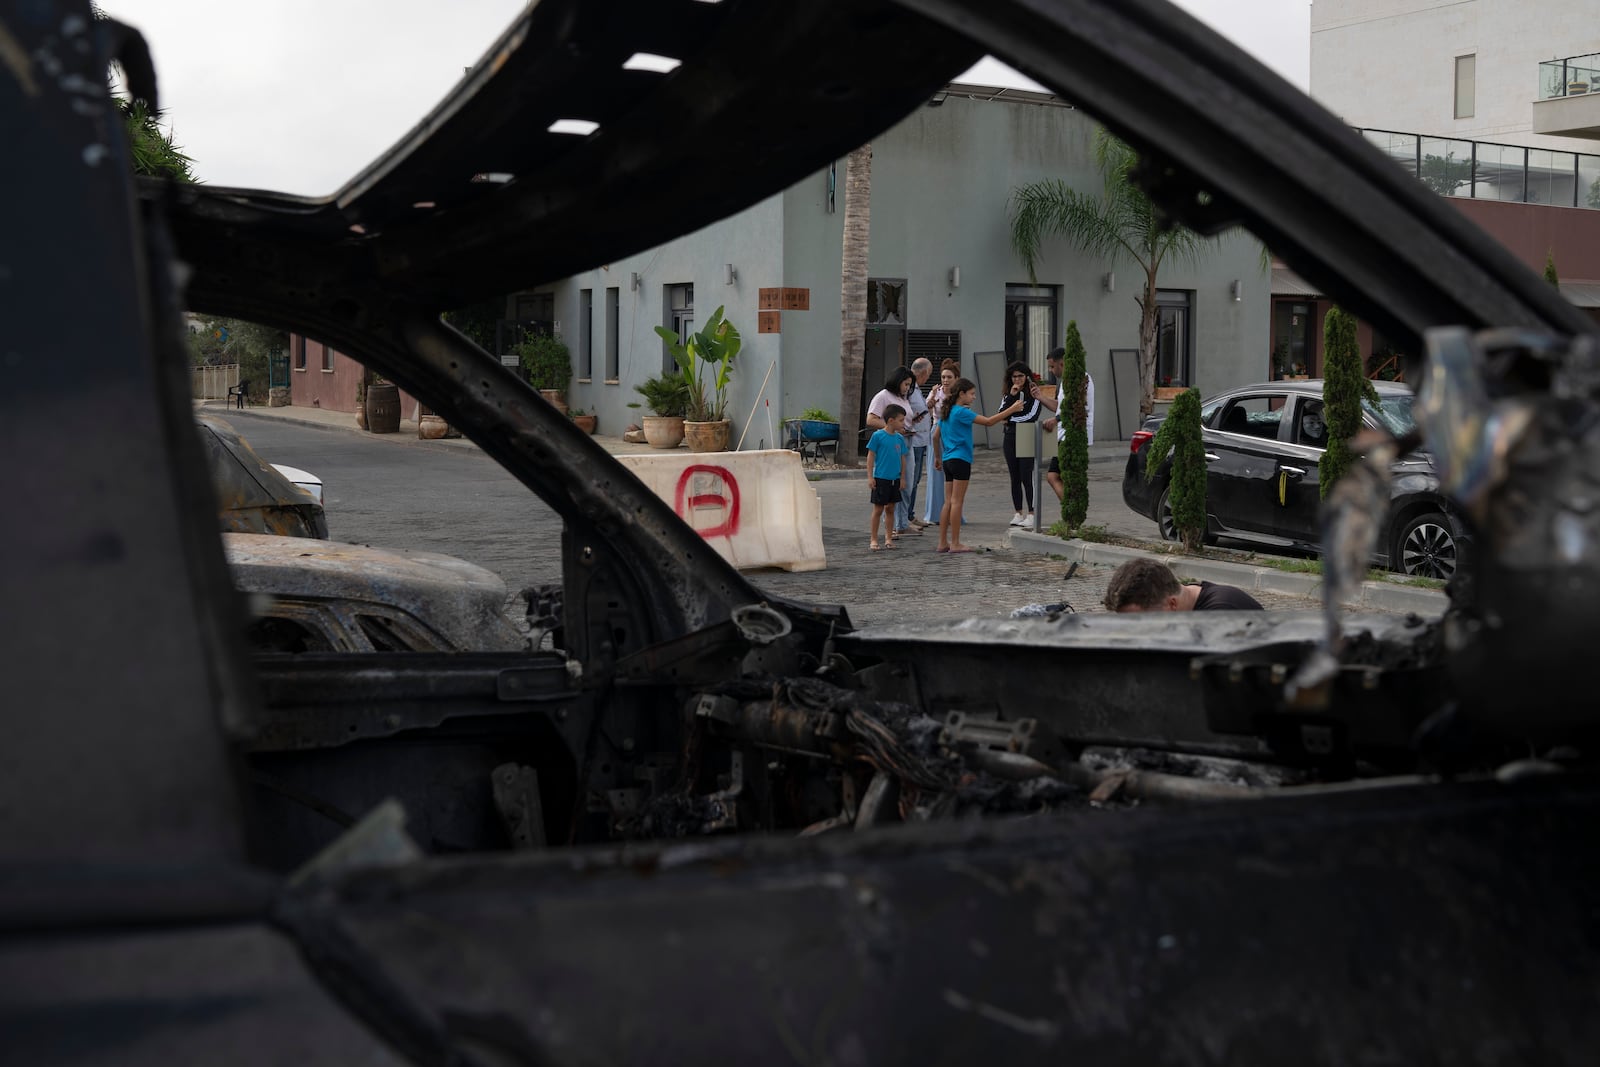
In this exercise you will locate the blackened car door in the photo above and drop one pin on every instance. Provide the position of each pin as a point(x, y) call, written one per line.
point(1242, 458)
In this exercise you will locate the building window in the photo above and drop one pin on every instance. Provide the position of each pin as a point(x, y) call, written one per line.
point(585, 334)
point(1031, 323)
point(1466, 81)
point(679, 319)
point(327, 358)
point(613, 328)
point(299, 352)
point(1174, 338)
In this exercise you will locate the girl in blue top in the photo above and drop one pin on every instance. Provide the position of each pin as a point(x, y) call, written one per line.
point(956, 419)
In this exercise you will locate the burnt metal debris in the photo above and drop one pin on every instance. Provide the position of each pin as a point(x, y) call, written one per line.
point(1030, 839)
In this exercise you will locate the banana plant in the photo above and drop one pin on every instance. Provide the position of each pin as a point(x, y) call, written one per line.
point(706, 360)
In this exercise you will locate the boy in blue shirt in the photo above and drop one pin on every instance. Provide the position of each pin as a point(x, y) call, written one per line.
point(887, 452)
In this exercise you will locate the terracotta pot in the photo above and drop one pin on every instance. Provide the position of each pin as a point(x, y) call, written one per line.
point(663, 431)
point(361, 414)
point(431, 427)
point(557, 398)
point(586, 423)
point(708, 436)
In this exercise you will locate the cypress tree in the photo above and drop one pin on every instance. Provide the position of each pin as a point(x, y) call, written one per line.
point(1180, 432)
point(1073, 449)
point(1344, 384)
point(1550, 269)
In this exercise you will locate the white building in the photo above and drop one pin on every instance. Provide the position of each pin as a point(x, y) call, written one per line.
point(1473, 70)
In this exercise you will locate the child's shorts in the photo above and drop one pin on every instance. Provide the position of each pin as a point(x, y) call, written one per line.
point(885, 491)
point(957, 470)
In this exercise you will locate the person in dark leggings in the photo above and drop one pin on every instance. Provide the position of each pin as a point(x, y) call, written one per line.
point(1019, 381)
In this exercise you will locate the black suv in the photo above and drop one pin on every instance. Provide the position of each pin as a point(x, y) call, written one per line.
point(1263, 443)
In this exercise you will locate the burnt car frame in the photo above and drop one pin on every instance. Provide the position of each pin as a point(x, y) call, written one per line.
point(199, 860)
point(1262, 478)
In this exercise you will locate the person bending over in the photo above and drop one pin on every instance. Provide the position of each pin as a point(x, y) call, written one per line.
point(1149, 585)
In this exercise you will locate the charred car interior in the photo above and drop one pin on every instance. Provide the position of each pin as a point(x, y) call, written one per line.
point(696, 822)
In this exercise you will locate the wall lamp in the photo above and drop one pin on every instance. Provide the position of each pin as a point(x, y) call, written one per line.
point(1237, 290)
point(633, 281)
point(1110, 282)
point(728, 273)
point(955, 277)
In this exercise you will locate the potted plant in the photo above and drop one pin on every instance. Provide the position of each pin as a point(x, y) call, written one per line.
point(548, 365)
point(668, 400)
point(361, 398)
point(706, 365)
point(586, 422)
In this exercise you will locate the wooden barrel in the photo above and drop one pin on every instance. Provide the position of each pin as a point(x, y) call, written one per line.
point(383, 407)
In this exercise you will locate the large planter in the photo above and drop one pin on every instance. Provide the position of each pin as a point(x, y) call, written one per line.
point(557, 398)
point(431, 427)
point(587, 423)
point(708, 436)
point(383, 407)
point(663, 431)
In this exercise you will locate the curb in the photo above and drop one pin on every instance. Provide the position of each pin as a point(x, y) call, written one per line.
point(1385, 595)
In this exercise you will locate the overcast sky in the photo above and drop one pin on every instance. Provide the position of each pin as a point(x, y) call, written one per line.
point(298, 95)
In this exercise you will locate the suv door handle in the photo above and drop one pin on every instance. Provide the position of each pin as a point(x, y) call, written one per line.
point(1211, 456)
point(1298, 472)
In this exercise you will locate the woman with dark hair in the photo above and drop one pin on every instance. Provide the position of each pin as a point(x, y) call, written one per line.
point(1020, 447)
point(901, 388)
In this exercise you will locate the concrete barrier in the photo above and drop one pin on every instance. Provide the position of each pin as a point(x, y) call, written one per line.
point(755, 508)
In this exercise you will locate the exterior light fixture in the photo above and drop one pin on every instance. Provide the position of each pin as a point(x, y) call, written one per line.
point(633, 281)
point(1110, 282)
point(955, 277)
point(728, 273)
point(1237, 289)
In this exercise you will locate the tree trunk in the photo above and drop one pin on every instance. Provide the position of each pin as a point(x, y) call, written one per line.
point(853, 300)
point(1148, 318)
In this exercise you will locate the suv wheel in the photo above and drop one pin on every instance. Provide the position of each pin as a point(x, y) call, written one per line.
point(1168, 528)
point(1427, 547)
point(1164, 523)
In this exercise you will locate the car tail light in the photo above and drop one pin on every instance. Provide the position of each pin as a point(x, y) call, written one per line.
point(1138, 440)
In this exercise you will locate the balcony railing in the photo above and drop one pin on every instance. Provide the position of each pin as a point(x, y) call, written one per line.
point(1481, 170)
point(1573, 76)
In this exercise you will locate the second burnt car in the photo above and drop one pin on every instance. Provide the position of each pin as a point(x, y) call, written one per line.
point(1263, 444)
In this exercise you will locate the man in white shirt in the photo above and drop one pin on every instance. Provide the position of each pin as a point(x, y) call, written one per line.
point(1055, 362)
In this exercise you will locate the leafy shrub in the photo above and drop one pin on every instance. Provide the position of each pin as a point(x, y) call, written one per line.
point(1073, 448)
point(1344, 384)
point(1180, 434)
point(546, 360)
point(817, 415)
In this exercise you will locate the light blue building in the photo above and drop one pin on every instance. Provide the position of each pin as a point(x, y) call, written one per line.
point(945, 281)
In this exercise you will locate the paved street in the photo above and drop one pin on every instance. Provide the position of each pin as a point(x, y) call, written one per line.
point(396, 491)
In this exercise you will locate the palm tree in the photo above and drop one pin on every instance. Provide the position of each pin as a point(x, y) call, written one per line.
point(853, 299)
point(1121, 221)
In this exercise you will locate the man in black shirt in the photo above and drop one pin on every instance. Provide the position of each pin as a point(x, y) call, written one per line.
point(1149, 585)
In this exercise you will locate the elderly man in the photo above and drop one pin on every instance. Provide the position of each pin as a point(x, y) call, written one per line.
point(1145, 584)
